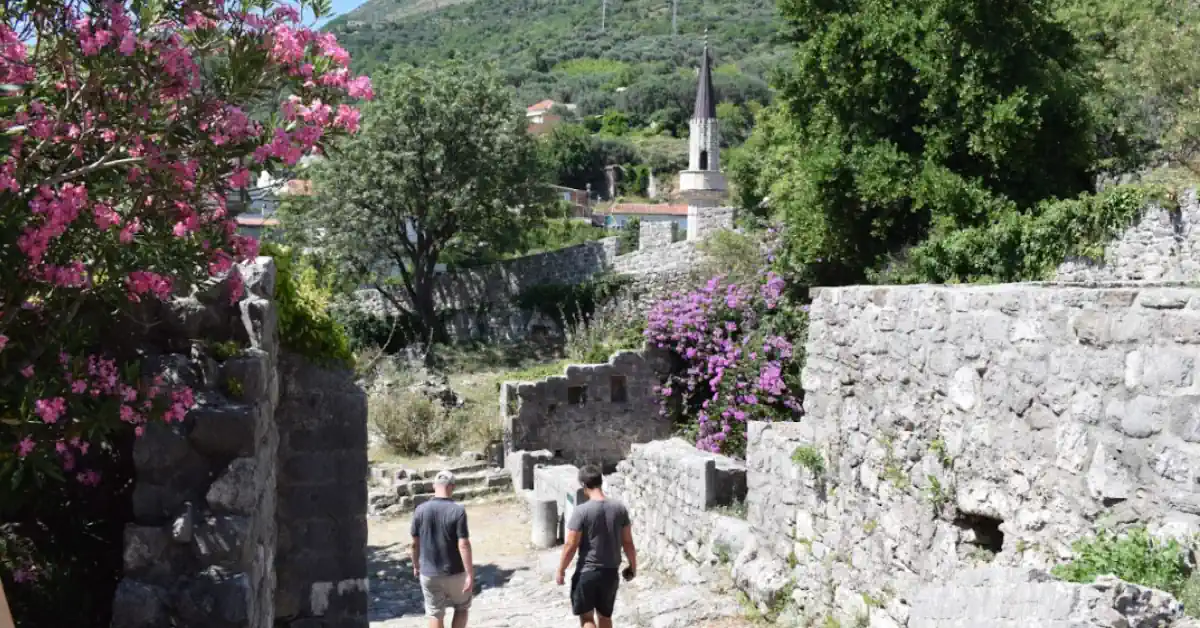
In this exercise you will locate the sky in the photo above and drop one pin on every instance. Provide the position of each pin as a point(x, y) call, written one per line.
point(340, 7)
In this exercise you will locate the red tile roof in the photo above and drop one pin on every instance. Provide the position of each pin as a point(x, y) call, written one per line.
point(257, 221)
point(653, 209)
point(299, 187)
point(544, 105)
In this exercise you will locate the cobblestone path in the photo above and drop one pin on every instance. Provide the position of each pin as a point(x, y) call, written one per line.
point(515, 587)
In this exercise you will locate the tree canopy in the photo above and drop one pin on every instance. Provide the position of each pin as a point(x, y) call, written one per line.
point(903, 118)
point(442, 169)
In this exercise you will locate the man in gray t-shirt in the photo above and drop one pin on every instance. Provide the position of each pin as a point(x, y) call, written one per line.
point(441, 555)
point(598, 530)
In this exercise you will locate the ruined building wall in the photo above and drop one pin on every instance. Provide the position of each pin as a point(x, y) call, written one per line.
point(961, 425)
point(322, 514)
point(204, 548)
point(680, 499)
point(590, 414)
point(1164, 245)
point(201, 548)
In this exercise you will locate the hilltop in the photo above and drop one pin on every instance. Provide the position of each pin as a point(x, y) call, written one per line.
point(555, 49)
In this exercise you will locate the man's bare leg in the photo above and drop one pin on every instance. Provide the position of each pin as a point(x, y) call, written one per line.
point(587, 620)
point(436, 622)
point(603, 622)
point(460, 619)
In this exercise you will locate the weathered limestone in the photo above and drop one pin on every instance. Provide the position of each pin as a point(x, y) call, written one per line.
point(1163, 246)
point(675, 494)
point(961, 425)
point(222, 506)
point(544, 534)
point(592, 414)
point(322, 561)
point(1020, 598)
point(201, 548)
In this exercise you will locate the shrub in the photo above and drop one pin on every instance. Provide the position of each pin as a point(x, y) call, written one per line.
point(409, 422)
point(1134, 556)
point(571, 302)
point(614, 327)
point(305, 324)
point(739, 362)
point(631, 236)
point(1025, 247)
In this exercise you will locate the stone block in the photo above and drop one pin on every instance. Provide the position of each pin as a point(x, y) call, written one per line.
point(224, 541)
point(215, 597)
point(237, 489)
point(139, 605)
point(147, 553)
point(224, 430)
point(249, 373)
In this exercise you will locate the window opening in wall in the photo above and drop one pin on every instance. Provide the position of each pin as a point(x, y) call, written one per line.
point(577, 395)
point(704, 160)
point(983, 532)
point(511, 398)
point(617, 387)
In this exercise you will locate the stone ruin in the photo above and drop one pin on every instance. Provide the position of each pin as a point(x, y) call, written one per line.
point(956, 441)
point(252, 512)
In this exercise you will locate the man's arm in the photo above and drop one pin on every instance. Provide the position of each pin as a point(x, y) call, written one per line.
point(627, 545)
point(464, 550)
point(570, 547)
point(568, 554)
point(415, 549)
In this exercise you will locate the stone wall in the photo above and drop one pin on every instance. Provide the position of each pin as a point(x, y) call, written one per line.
point(204, 547)
point(322, 515)
point(679, 499)
point(590, 414)
point(962, 425)
point(201, 548)
point(1163, 246)
point(710, 220)
point(652, 235)
point(477, 303)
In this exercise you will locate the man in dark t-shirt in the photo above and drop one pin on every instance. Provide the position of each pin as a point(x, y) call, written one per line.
point(441, 555)
point(598, 530)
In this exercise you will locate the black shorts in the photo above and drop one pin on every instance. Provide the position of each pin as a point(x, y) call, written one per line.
point(595, 590)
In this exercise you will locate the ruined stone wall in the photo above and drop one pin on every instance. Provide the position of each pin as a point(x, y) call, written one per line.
point(710, 220)
point(477, 303)
point(322, 515)
point(1163, 246)
point(201, 548)
point(592, 413)
point(652, 235)
point(681, 501)
point(972, 424)
point(204, 548)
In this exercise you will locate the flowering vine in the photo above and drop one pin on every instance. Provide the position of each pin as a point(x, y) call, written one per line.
point(740, 362)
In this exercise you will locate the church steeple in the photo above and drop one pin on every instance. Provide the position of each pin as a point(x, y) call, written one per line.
point(706, 107)
point(702, 184)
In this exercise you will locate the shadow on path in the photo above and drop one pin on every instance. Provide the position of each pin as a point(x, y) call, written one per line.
point(394, 592)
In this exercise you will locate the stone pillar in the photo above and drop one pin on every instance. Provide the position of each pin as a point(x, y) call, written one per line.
point(200, 550)
point(545, 523)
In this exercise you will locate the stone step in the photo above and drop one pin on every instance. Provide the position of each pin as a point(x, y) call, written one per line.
point(494, 477)
point(390, 504)
point(396, 474)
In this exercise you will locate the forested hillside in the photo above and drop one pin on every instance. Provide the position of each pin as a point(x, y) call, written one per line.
point(555, 48)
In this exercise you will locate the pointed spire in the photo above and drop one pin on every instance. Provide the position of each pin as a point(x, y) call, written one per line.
point(706, 107)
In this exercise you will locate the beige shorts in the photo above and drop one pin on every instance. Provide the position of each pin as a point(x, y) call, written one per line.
point(442, 592)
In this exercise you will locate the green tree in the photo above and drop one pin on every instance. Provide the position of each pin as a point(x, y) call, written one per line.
point(442, 168)
point(573, 157)
point(1148, 107)
point(904, 118)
